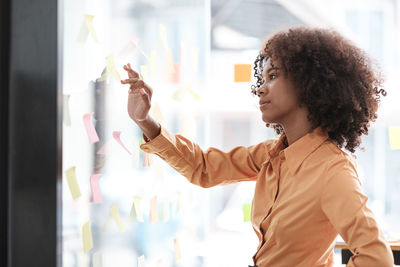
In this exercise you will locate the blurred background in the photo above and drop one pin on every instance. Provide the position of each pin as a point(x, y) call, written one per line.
point(187, 50)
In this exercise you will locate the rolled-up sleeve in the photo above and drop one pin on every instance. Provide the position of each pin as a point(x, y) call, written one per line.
point(210, 167)
point(345, 206)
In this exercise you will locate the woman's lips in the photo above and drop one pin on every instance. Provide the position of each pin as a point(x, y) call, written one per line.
point(264, 104)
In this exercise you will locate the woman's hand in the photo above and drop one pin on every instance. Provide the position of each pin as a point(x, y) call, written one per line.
point(139, 98)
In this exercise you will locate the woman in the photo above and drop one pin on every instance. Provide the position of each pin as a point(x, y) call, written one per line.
point(320, 93)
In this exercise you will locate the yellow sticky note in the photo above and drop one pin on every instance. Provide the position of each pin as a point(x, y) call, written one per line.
point(177, 254)
point(246, 212)
point(153, 210)
point(144, 72)
point(111, 67)
point(87, 237)
point(136, 211)
point(73, 183)
point(196, 96)
point(178, 94)
point(163, 35)
point(117, 218)
point(242, 72)
point(86, 28)
point(394, 137)
point(89, 24)
point(66, 113)
point(157, 113)
point(194, 55)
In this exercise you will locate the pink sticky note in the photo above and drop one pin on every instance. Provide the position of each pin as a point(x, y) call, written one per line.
point(102, 150)
point(91, 131)
point(116, 135)
point(94, 184)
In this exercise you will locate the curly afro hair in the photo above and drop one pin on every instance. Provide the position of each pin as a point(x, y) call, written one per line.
point(335, 79)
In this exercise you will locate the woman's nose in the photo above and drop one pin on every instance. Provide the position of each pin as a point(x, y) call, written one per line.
point(260, 91)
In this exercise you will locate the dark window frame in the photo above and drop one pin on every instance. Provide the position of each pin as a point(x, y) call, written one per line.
point(30, 138)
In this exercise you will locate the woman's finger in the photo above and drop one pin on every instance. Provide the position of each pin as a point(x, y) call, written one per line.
point(131, 72)
point(130, 81)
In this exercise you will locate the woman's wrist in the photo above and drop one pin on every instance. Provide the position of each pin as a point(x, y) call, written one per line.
point(150, 127)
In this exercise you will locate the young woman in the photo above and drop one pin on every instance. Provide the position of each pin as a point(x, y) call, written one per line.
point(320, 93)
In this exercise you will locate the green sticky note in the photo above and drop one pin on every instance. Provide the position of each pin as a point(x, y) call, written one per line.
point(246, 212)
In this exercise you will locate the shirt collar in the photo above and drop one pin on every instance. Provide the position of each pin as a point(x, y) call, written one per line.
point(297, 152)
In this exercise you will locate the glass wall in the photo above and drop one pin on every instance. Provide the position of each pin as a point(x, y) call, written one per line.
point(122, 207)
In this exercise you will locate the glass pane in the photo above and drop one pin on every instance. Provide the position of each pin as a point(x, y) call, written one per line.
point(135, 204)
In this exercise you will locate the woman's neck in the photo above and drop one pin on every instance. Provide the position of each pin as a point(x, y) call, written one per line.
point(297, 127)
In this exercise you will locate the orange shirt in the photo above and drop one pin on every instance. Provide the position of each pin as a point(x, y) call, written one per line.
point(306, 194)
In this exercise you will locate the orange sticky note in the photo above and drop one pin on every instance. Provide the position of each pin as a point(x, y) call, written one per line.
point(242, 72)
point(178, 254)
point(153, 210)
point(147, 160)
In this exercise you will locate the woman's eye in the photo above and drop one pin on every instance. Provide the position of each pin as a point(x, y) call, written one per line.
point(272, 76)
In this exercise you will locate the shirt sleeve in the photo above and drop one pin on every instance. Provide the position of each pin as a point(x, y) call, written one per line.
point(210, 167)
point(345, 206)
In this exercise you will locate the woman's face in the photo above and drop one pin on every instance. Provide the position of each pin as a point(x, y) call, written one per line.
point(278, 99)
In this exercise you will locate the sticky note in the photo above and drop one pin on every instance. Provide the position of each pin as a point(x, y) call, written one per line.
point(169, 62)
point(147, 159)
point(153, 210)
point(90, 130)
point(117, 137)
point(195, 96)
point(242, 72)
point(163, 36)
point(136, 211)
point(86, 28)
point(141, 261)
point(117, 218)
point(94, 184)
point(87, 237)
point(107, 224)
point(159, 172)
point(144, 71)
point(73, 183)
point(97, 259)
point(194, 55)
point(180, 204)
point(177, 254)
point(153, 63)
point(132, 44)
point(111, 67)
point(102, 149)
point(66, 113)
point(394, 137)
point(246, 212)
point(157, 113)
